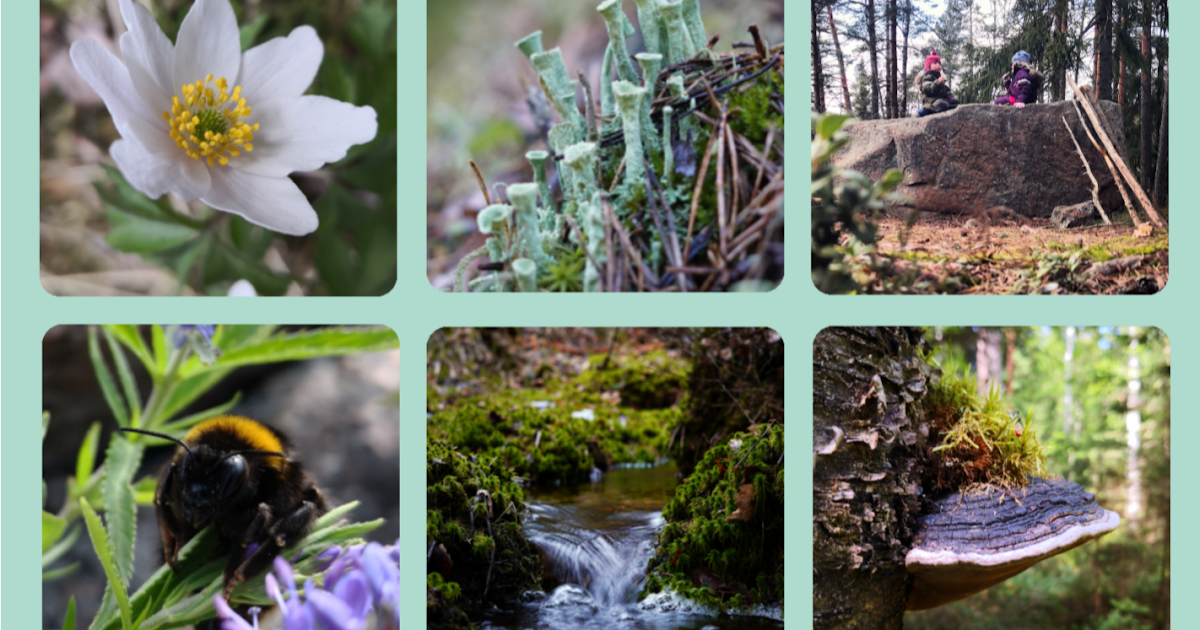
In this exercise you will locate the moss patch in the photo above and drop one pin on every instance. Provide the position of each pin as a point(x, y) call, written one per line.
point(723, 543)
point(976, 440)
point(474, 508)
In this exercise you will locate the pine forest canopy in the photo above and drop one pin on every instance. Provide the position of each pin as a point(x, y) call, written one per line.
point(866, 56)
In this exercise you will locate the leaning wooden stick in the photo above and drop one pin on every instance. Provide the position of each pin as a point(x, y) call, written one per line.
point(1095, 184)
point(1111, 167)
point(1129, 178)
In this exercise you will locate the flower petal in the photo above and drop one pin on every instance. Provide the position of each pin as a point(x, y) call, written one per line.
point(354, 591)
point(272, 202)
point(208, 42)
point(282, 67)
point(229, 619)
point(303, 134)
point(110, 78)
point(182, 175)
point(333, 613)
point(148, 55)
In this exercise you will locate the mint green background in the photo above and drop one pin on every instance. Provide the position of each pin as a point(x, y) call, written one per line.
point(414, 310)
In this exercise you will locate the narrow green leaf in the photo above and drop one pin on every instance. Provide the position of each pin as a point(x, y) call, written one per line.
point(104, 377)
point(54, 574)
point(120, 462)
point(162, 350)
point(85, 462)
point(143, 490)
point(45, 424)
point(308, 344)
point(140, 236)
point(125, 198)
point(131, 337)
point(61, 547)
point(252, 240)
point(189, 389)
point(124, 375)
point(53, 528)
point(228, 337)
point(104, 553)
point(188, 422)
point(197, 250)
point(69, 621)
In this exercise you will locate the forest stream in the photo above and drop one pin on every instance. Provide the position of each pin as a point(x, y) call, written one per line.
point(595, 540)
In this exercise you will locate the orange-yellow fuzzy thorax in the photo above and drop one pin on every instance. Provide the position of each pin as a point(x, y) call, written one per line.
point(255, 435)
point(209, 124)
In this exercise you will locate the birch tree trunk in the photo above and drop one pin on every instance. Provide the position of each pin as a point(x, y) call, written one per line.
point(987, 360)
point(868, 388)
point(1133, 438)
point(1069, 397)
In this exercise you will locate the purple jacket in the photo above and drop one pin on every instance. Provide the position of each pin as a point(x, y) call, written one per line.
point(1020, 86)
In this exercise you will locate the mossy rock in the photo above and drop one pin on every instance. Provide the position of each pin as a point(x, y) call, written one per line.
point(722, 545)
point(441, 612)
point(736, 381)
point(474, 510)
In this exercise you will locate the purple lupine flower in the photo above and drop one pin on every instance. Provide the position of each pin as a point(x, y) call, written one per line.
point(199, 338)
point(359, 581)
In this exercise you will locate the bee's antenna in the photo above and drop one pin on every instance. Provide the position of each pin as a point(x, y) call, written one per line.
point(157, 435)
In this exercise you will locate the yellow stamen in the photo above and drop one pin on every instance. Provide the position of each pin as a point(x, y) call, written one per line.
point(207, 121)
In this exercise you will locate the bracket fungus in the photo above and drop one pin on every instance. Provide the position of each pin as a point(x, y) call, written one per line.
point(972, 541)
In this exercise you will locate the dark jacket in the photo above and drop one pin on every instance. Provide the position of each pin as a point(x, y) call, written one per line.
point(1020, 86)
point(936, 96)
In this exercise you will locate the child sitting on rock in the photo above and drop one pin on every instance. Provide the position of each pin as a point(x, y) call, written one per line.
point(935, 92)
point(1021, 84)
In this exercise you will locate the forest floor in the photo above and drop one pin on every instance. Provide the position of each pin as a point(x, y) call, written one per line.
point(988, 256)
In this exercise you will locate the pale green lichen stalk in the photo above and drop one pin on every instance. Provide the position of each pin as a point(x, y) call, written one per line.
point(593, 227)
point(651, 23)
point(553, 73)
point(531, 44)
point(529, 235)
point(546, 214)
point(695, 25)
point(668, 154)
point(650, 63)
point(526, 272)
point(679, 40)
point(629, 106)
point(581, 163)
point(615, 20)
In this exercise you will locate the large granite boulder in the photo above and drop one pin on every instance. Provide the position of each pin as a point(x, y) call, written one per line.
point(977, 157)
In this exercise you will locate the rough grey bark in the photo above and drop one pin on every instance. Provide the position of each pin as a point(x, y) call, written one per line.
point(1160, 173)
point(1103, 45)
point(868, 386)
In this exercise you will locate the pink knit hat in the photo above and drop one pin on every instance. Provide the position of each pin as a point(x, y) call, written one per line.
point(932, 59)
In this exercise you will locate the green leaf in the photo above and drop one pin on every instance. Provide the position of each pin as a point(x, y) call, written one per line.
point(307, 344)
point(249, 31)
point(890, 180)
point(197, 250)
point(188, 422)
point(52, 530)
point(372, 28)
point(265, 281)
point(830, 123)
point(130, 336)
point(162, 350)
point(54, 574)
point(45, 424)
point(227, 337)
point(143, 490)
point(69, 620)
point(104, 377)
point(120, 462)
point(104, 553)
point(125, 375)
point(189, 389)
point(61, 547)
point(252, 240)
point(140, 236)
point(85, 462)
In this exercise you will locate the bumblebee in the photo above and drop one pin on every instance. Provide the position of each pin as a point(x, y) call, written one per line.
point(237, 475)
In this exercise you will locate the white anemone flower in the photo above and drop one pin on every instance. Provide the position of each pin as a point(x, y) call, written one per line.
point(203, 120)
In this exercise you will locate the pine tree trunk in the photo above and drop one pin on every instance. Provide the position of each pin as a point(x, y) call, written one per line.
point(1160, 173)
point(841, 60)
point(1147, 117)
point(1121, 75)
point(818, 76)
point(873, 51)
point(893, 79)
point(1104, 46)
point(868, 386)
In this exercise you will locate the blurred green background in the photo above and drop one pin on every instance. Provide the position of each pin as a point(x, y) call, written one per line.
point(476, 94)
point(83, 252)
point(1100, 401)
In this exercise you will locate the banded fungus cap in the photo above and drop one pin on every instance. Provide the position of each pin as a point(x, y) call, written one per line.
point(971, 542)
